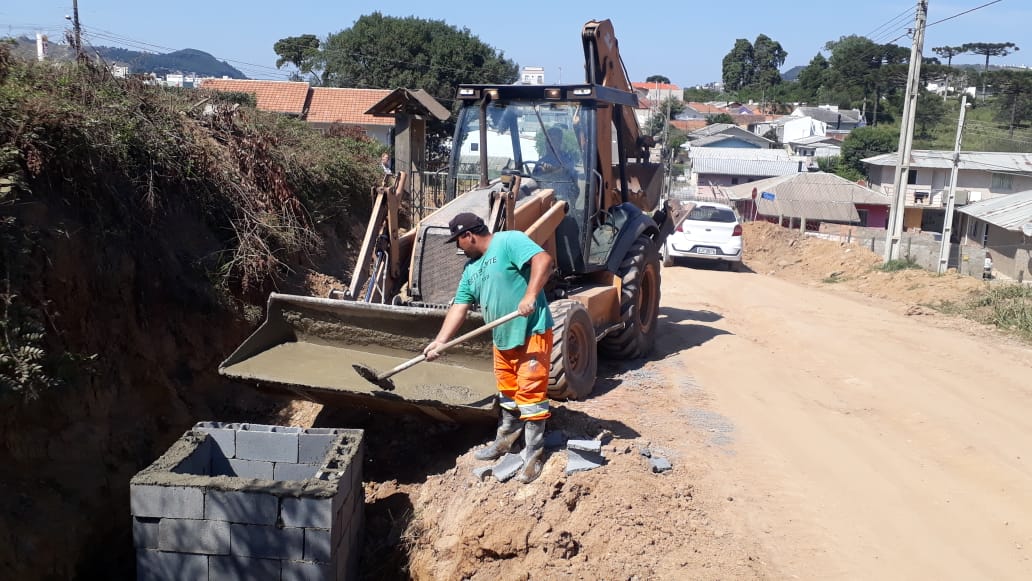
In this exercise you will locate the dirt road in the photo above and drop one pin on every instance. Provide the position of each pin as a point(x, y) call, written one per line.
point(864, 444)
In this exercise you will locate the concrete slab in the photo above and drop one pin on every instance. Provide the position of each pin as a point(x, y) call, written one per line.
point(594, 446)
point(482, 472)
point(580, 461)
point(659, 464)
point(507, 467)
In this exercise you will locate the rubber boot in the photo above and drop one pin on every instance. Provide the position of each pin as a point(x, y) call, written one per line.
point(533, 452)
point(509, 428)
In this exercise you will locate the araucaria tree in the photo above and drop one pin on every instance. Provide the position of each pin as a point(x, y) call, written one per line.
point(753, 67)
point(385, 52)
point(989, 50)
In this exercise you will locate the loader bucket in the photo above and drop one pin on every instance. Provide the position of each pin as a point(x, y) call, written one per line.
point(308, 346)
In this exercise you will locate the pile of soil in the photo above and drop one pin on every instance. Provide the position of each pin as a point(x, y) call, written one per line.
point(777, 251)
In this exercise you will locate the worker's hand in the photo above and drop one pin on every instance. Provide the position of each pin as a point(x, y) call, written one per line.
point(527, 306)
point(431, 350)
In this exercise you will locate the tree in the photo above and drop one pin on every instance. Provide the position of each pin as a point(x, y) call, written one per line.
point(811, 78)
point(928, 114)
point(300, 51)
point(738, 66)
point(864, 142)
point(658, 79)
point(699, 95)
point(989, 49)
point(719, 118)
point(1015, 100)
point(948, 52)
point(385, 52)
point(768, 58)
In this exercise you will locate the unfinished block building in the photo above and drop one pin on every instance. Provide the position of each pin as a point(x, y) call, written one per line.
point(248, 501)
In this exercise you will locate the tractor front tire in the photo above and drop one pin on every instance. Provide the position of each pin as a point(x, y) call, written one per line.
point(639, 303)
point(574, 353)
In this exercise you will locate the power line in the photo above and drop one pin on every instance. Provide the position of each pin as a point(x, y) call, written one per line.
point(904, 16)
point(948, 18)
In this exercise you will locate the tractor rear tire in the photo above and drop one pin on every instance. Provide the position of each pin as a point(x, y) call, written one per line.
point(639, 303)
point(574, 353)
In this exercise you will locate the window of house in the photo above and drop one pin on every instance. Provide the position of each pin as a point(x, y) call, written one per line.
point(863, 216)
point(912, 177)
point(1002, 182)
point(474, 146)
point(985, 234)
point(734, 181)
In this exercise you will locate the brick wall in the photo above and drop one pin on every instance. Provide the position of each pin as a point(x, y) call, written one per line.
point(249, 501)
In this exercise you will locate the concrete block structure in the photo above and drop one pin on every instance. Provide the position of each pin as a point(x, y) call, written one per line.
point(250, 501)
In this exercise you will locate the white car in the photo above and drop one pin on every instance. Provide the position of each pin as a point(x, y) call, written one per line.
point(711, 231)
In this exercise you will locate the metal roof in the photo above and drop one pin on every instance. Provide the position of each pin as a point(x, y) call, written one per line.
point(737, 153)
point(722, 137)
point(1010, 211)
point(744, 167)
point(814, 196)
point(713, 129)
point(991, 161)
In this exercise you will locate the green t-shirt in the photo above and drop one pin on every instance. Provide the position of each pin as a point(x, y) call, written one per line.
point(497, 281)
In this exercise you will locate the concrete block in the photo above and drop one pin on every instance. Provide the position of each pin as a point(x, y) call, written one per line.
point(160, 566)
point(305, 571)
point(206, 537)
point(288, 471)
point(659, 464)
point(166, 501)
point(198, 462)
point(267, 443)
point(220, 465)
point(241, 507)
point(145, 532)
point(234, 568)
point(318, 545)
point(594, 446)
point(223, 434)
point(579, 461)
point(267, 542)
point(314, 444)
point(507, 467)
point(307, 512)
point(250, 469)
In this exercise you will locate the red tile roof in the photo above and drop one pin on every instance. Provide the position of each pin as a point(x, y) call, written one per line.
point(706, 109)
point(654, 86)
point(277, 96)
point(330, 105)
point(688, 125)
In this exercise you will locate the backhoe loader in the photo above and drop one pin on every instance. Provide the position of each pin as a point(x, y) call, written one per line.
point(567, 165)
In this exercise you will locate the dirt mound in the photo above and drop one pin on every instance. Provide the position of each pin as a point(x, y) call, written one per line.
point(771, 249)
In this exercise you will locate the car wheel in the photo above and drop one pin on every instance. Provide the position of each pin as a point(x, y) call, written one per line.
point(667, 259)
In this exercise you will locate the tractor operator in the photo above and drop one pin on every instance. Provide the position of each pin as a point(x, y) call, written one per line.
point(506, 272)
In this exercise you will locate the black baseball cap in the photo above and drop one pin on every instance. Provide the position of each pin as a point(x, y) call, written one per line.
point(465, 222)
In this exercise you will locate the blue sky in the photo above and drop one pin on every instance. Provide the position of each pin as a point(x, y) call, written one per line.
point(685, 43)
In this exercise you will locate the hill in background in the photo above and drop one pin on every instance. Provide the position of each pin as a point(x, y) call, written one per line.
point(181, 61)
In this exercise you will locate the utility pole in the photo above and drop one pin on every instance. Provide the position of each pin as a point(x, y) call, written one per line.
point(906, 137)
point(77, 28)
point(951, 198)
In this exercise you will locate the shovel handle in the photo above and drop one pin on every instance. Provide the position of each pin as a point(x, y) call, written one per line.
point(452, 343)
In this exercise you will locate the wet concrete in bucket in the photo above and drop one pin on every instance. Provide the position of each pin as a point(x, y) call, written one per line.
point(451, 380)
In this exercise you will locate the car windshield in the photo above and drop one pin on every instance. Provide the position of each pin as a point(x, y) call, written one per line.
point(712, 214)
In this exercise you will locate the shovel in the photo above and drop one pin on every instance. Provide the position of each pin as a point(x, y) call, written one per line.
point(382, 380)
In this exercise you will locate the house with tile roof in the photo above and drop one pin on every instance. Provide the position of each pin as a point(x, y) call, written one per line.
point(658, 92)
point(320, 106)
point(335, 106)
point(276, 96)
